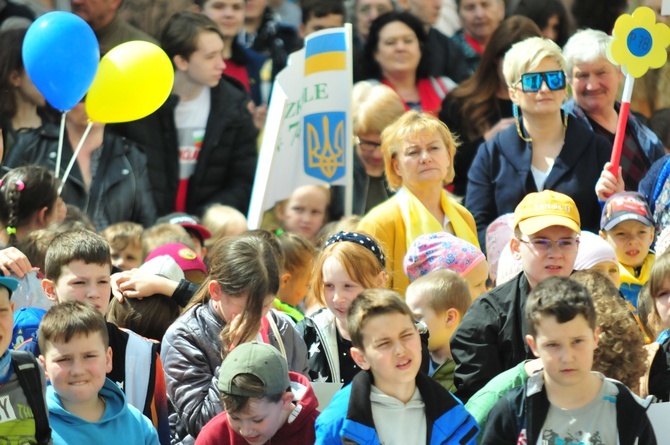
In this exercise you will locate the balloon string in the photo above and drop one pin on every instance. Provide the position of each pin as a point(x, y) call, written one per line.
point(61, 135)
point(74, 156)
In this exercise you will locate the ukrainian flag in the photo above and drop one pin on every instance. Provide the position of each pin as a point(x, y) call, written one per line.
point(326, 53)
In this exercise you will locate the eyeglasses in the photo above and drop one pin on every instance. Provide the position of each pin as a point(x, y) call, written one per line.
point(367, 9)
point(532, 82)
point(543, 245)
point(367, 146)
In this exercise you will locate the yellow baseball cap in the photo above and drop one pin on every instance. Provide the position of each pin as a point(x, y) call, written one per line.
point(547, 208)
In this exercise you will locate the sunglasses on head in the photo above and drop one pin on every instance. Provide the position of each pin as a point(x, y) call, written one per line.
point(532, 82)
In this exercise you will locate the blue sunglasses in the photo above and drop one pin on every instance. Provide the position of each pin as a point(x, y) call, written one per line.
point(532, 82)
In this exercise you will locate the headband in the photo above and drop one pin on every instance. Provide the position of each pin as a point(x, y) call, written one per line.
point(358, 238)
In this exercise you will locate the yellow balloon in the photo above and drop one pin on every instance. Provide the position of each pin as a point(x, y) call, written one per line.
point(133, 80)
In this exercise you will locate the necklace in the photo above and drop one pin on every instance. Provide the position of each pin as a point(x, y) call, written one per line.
point(529, 139)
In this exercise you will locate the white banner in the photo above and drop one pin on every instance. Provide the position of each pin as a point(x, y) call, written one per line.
point(308, 132)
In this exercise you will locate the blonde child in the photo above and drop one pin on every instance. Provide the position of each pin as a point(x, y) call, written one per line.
point(628, 226)
point(349, 263)
point(305, 211)
point(228, 309)
point(445, 251)
point(439, 300)
point(299, 255)
point(125, 243)
point(223, 221)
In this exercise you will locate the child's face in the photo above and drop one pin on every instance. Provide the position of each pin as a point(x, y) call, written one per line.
point(440, 334)
point(261, 419)
point(81, 282)
point(77, 369)
point(392, 350)
point(296, 286)
point(305, 212)
point(128, 258)
point(476, 279)
point(662, 303)
point(566, 349)
point(610, 270)
point(6, 319)
point(339, 289)
point(315, 24)
point(539, 263)
point(631, 241)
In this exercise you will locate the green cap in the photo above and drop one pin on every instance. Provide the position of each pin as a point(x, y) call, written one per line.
point(260, 360)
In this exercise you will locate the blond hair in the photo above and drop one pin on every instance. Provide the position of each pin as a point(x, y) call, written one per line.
point(374, 107)
point(442, 289)
point(526, 55)
point(408, 126)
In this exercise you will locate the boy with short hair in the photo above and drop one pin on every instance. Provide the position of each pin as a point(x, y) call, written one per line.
point(85, 406)
point(390, 401)
point(440, 299)
point(320, 14)
point(263, 401)
point(490, 338)
point(22, 385)
point(628, 225)
point(77, 268)
point(566, 402)
point(125, 244)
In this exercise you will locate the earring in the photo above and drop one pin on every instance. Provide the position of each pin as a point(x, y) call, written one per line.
point(515, 112)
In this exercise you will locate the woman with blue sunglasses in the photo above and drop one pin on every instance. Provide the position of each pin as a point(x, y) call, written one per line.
point(545, 149)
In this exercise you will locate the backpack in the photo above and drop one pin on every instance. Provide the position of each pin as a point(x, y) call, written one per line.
point(29, 374)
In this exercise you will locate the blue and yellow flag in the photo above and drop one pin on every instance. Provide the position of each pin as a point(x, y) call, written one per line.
point(326, 53)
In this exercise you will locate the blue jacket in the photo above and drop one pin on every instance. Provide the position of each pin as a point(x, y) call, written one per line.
point(120, 422)
point(348, 418)
point(649, 142)
point(500, 175)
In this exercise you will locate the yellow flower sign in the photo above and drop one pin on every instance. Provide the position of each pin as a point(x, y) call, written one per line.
point(639, 42)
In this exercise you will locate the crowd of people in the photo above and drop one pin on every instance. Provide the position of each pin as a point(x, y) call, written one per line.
point(498, 282)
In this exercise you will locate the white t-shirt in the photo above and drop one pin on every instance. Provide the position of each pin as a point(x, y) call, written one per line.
point(540, 177)
point(592, 424)
point(191, 120)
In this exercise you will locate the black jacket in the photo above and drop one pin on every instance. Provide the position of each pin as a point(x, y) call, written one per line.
point(491, 337)
point(526, 407)
point(224, 173)
point(447, 57)
point(120, 189)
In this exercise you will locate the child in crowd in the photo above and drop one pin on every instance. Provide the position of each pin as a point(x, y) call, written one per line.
point(439, 300)
point(299, 255)
point(188, 260)
point(391, 401)
point(78, 267)
point(162, 234)
point(124, 240)
point(22, 384)
point(305, 211)
point(490, 338)
point(628, 226)
point(263, 401)
point(28, 201)
point(594, 253)
point(498, 234)
point(223, 221)
point(349, 263)
point(29, 295)
point(75, 346)
point(653, 327)
point(320, 14)
point(228, 310)
point(199, 234)
point(445, 251)
point(566, 398)
point(659, 290)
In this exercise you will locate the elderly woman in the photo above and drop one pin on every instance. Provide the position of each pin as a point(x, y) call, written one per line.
point(545, 149)
point(375, 107)
point(595, 82)
point(418, 158)
point(394, 55)
point(479, 19)
point(479, 108)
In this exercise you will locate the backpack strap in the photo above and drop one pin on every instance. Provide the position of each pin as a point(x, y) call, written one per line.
point(30, 377)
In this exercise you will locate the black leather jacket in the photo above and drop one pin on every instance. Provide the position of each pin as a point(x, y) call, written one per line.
point(120, 189)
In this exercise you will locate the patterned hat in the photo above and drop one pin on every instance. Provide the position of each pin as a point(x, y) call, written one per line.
point(440, 251)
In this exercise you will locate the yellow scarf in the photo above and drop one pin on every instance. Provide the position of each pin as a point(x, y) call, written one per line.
point(419, 221)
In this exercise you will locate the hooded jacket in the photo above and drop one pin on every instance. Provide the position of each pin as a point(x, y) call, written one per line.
point(299, 430)
point(120, 422)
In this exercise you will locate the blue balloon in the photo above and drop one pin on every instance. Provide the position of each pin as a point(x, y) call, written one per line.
point(61, 56)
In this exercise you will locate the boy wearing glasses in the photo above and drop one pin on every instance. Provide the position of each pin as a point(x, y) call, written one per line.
point(490, 339)
point(628, 226)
